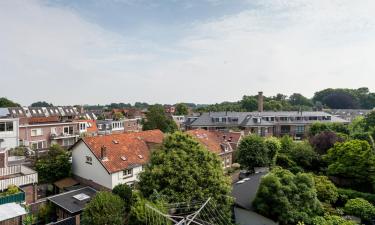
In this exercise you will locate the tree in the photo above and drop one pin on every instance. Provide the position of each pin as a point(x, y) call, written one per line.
point(326, 190)
point(104, 208)
point(182, 170)
point(332, 220)
point(182, 109)
point(54, 166)
point(252, 152)
point(4, 102)
point(369, 120)
point(118, 116)
point(249, 103)
point(353, 159)
point(273, 146)
point(361, 208)
point(318, 127)
point(304, 156)
point(287, 198)
point(156, 119)
point(324, 141)
point(298, 99)
point(125, 193)
point(41, 104)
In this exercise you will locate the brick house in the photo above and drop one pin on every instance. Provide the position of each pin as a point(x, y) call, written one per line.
point(105, 161)
point(215, 144)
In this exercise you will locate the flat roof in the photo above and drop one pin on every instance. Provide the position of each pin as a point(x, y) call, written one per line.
point(11, 210)
point(73, 201)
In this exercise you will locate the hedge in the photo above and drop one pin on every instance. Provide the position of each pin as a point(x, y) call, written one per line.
point(346, 194)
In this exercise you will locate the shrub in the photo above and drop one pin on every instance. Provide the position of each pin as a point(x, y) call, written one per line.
point(361, 208)
point(345, 194)
point(326, 190)
point(125, 193)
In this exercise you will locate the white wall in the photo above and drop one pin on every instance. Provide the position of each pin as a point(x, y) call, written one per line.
point(11, 138)
point(117, 178)
point(95, 172)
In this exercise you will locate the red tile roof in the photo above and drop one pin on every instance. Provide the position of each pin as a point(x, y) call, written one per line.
point(209, 139)
point(129, 146)
point(229, 136)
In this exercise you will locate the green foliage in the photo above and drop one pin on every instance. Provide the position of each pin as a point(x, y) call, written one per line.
point(369, 120)
point(44, 213)
point(326, 190)
point(298, 99)
point(11, 190)
point(156, 119)
point(104, 208)
point(318, 127)
point(54, 166)
point(125, 193)
point(352, 159)
point(287, 198)
point(118, 116)
point(331, 220)
point(4, 102)
point(346, 194)
point(252, 152)
point(324, 141)
point(41, 104)
point(182, 109)
point(249, 103)
point(304, 156)
point(184, 171)
point(273, 146)
point(361, 208)
point(286, 144)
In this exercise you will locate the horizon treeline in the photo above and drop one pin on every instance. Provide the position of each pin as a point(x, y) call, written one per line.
point(331, 98)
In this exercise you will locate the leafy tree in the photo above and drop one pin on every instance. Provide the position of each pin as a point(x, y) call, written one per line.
point(361, 208)
point(125, 193)
point(273, 146)
point(54, 166)
point(182, 109)
point(118, 116)
point(4, 102)
point(369, 120)
point(252, 152)
point(304, 156)
point(353, 159)
point(326, 190)
point(184, 171)
point(104, 208)
point(249, 103)
point(286, 143)
point(332, 220)
point(317, 128)
point(156, 119)
point(287, 198)
point(298, 99)
point(324, 141)
point(41, 104)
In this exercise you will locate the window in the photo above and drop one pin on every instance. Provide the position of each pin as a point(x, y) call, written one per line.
point(127, 173)
point(6, 126)
point(68, 142)
point(68, 130)
point(38, 145)
point(36, 132)
point(82, 126)
point(89, 160)
point(300, 129)
point(53, 130)
point(100, 126)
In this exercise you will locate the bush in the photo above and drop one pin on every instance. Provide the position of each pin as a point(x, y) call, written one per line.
point(332, 220)
point(252, 152)
point(326, 190)
point(361, 208)
point(125, 193)
point(345, 194)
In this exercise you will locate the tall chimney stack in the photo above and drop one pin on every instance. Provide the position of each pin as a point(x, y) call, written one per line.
point(260, 101)
point(103, 153)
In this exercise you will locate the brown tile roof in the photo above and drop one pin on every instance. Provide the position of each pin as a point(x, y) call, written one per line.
point(209, 139)
point(124, 150)
point(229, 136)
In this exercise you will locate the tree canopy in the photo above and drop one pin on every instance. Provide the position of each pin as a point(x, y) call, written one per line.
point(253, 152)
point(104, 208)
point(182, 109)
point(184, 171)
point(287, 198)
point(125, 193)
point(156, 119)
point(4, 102)
point(41, 104)
point(53, 166)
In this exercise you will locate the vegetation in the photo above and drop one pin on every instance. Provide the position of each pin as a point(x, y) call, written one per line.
point(4, 102)
point(182, 170)
point(54, 166)
point(326, 190)
point(41, 104)
point(288, 198)
point(125, 193)
point(156, 119)
point(346, 194)
point(252, 152)
point(11, 190)
point(182, 109)
point(273, 146)
point(361, 208)
point(104, 208)
point(324, 141)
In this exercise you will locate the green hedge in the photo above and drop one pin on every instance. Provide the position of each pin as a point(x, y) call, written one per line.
point(346, 194)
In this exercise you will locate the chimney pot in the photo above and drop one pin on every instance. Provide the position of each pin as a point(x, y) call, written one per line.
point(260, 101)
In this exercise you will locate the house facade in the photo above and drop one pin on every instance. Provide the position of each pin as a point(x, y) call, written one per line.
point(215, 144)
point(106, 161)
point(9, 132)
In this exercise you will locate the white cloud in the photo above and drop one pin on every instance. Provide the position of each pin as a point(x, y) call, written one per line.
point(276, 45)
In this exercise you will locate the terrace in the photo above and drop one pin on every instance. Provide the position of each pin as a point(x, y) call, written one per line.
point(18, 175)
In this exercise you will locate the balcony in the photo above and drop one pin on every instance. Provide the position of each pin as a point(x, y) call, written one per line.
point(19, 197)
point(17, 175)
point(63, 135)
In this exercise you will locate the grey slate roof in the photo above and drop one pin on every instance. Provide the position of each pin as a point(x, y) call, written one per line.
point(67, 201)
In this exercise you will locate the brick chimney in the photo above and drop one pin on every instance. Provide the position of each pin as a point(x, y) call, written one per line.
point(260, 101)
point(103, 153)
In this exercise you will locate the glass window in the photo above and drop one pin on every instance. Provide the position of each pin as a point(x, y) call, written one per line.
point(9, 126)
point(127, 173)
point(2, 127)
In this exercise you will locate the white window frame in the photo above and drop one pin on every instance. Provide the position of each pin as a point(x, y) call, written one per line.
point(39, 132)
point(127, 173)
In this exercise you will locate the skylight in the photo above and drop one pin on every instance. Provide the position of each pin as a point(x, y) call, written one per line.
point(81, 197)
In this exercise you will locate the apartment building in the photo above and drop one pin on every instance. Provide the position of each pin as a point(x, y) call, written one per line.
point(9, 133)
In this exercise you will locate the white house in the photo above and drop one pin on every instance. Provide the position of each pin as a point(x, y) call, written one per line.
point(106, 161)
point(9, 132)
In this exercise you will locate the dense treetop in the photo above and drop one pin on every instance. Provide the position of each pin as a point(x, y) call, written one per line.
point(4, 102)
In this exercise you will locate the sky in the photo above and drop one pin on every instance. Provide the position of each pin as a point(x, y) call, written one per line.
point(166, 51)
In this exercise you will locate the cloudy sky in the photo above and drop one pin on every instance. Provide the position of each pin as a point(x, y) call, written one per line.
point(167, 51)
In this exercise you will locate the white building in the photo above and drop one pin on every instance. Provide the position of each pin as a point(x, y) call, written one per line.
point(106, 161)
point(9, 132)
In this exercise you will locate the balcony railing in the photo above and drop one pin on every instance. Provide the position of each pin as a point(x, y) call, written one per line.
point(17, 175)
point(64, 135)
